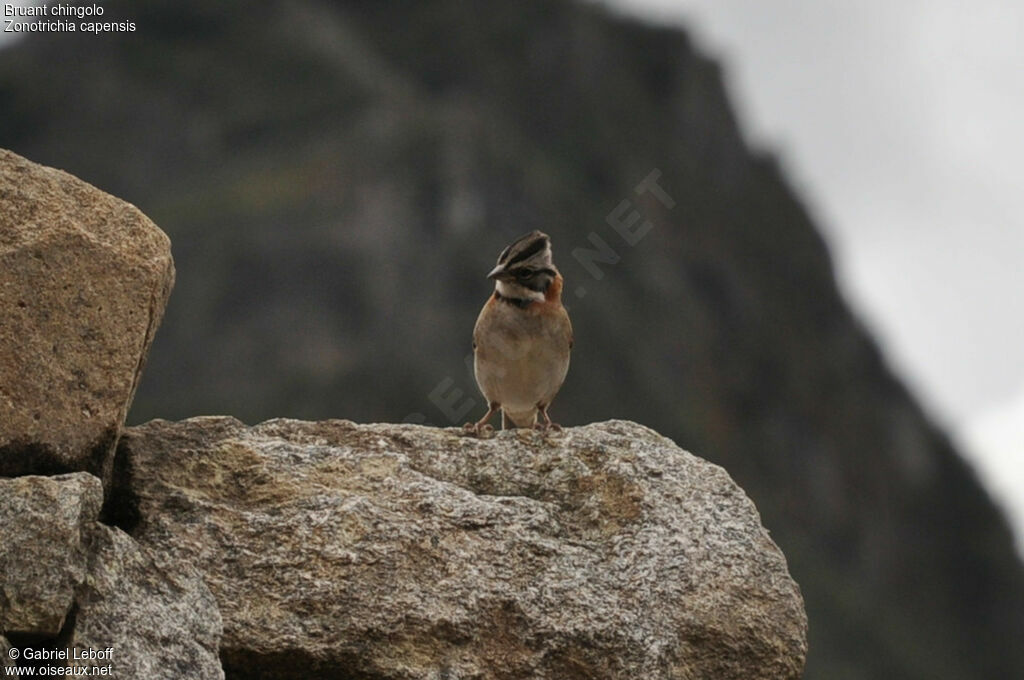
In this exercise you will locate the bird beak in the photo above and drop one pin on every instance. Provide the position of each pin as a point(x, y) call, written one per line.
point(496, 273)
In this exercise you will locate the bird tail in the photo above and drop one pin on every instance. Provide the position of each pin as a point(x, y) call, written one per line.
point(518, 419)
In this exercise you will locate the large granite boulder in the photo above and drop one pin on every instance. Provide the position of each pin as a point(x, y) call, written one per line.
point(401, 551)
point(84, 278)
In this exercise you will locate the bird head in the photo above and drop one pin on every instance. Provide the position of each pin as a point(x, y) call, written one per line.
point(525, 269)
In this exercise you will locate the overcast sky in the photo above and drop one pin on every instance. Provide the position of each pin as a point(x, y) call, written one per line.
point(900, 124)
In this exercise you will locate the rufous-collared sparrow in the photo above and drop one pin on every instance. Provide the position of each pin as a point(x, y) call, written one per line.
point(522, 337)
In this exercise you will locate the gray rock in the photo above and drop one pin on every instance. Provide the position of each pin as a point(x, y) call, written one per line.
point(399, 551)
point(6, 663)
point(43, 557)
point(84, 278)
point(157, 624)
point(66, 579)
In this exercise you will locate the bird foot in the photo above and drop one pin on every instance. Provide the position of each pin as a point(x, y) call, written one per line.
point(547, 427)
point(481, 430)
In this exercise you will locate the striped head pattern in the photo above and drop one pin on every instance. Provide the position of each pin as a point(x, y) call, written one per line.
point(525, 270)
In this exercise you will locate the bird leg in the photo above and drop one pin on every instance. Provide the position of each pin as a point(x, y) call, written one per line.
point(481, 427)
point(544, 423)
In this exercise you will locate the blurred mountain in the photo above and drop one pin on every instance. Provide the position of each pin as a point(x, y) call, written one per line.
point(338, 177)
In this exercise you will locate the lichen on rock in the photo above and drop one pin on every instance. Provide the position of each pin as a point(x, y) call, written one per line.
point(400, 551)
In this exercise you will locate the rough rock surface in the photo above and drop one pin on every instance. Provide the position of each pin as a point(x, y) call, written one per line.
point(337, 550)
point(159, 624)
point(43, 556)
point(6, 663)
point(67, 580)
point(84, 278)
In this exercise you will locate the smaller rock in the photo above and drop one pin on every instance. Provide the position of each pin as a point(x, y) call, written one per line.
point(66, 579)
point(155, 624)
point(5, 658)
point(42, 555)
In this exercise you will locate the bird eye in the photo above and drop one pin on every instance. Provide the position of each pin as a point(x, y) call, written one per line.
point(524, 273)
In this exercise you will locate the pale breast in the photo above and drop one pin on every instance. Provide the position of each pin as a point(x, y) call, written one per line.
point(521, 359)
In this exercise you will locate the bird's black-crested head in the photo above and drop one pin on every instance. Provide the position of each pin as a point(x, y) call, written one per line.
point(525, 270)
